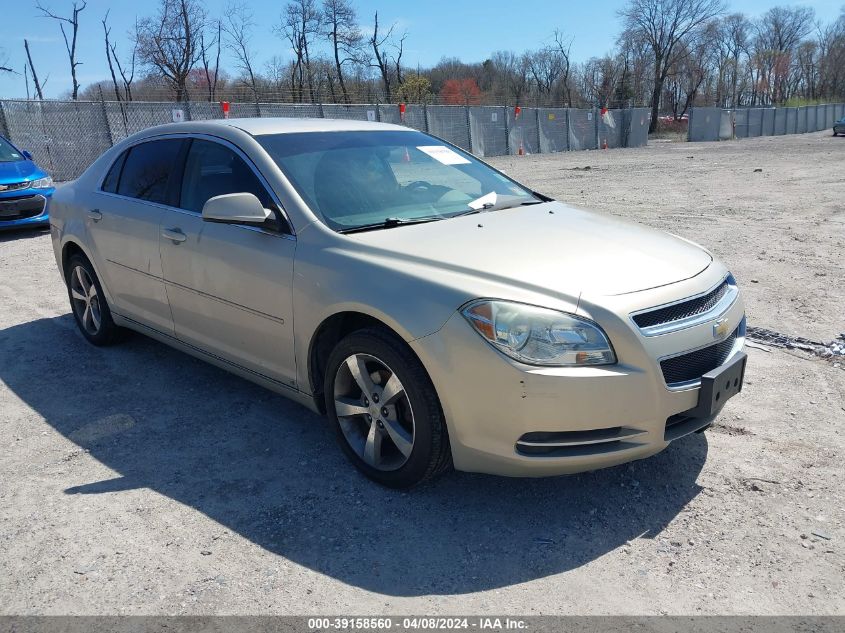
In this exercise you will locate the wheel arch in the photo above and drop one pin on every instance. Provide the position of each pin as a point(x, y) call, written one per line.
point(71, 247)
point(328, 334)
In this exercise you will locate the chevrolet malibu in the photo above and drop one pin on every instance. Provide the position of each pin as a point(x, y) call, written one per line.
point(438, 312)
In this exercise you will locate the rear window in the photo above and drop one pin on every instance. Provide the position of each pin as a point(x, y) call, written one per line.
point(147, 170)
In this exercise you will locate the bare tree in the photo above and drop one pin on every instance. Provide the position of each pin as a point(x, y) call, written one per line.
point(779, 32)
point(38, 85)
point(211, 76)
point(664, 24)
point(169, 42)
point(692, 69)
point(389, 67)
point(341, 27)
point(547, 66)
point(300, 25)
point(563, 48)
point(106, 34)
point(70, 45)
point(4, 59)
point(127, 74)
point(381, 57)
point(238, 29)
point(732, 44)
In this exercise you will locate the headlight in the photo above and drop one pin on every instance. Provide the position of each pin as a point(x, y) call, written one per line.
point(42, 183)
point(538, 336)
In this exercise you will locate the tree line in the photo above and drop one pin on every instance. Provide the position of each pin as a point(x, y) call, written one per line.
point(670, 55)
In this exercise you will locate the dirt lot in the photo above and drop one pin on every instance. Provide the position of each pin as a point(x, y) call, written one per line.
point(137, 480)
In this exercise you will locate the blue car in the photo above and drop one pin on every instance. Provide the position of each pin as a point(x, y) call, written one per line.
point(25, 189)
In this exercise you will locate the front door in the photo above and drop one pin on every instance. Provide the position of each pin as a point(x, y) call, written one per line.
point(229, 286)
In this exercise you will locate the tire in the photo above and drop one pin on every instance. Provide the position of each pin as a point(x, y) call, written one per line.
point(93, 317)
point(415, 413)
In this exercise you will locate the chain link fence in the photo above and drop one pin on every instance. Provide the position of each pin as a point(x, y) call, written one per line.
point(716, 124)
point(66, 136)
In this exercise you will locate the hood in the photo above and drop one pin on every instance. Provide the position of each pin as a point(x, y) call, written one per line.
point(548, 246)
point(19, 170)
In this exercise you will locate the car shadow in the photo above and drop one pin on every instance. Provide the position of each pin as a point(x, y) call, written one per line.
point(268, 469)
point(14, 233)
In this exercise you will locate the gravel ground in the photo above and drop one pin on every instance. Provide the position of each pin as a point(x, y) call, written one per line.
point(137, 480)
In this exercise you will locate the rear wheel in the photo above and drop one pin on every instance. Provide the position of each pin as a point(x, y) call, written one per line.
point(88, 303)
point(386, 413)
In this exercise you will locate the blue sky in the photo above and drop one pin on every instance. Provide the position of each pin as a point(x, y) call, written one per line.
point(470, 30)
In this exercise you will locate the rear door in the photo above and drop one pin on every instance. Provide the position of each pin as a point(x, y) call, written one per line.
point(229, 286)
point(124, 230)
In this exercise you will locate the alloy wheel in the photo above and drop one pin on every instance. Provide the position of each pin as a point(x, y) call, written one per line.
point(86, 301)
point(374, 412)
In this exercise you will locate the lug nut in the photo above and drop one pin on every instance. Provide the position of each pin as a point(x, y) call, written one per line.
point(384, 411)
point(375, 397)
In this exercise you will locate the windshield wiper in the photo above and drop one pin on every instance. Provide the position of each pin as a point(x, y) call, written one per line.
point(389, 223)
point(505, 204)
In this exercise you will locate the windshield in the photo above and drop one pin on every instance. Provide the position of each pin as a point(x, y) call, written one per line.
point(8, 154)
point(358, 179)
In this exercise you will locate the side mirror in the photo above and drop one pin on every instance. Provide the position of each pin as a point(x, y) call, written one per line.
point(26, 154)
point(235, 208)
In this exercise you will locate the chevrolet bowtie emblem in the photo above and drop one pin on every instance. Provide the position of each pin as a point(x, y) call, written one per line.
point(720, 328)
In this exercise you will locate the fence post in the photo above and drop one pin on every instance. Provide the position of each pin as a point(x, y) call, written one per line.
point(425, 117)
point(507, 133)
point(469, 129)
point(322, 112)
point(596, 125)
point(568, 130)
point(105, 115)
point(4, 129)
point(539, 146)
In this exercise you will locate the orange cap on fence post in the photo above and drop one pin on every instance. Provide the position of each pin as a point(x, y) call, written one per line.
point(401, 111)
point(224, 107)
point(516, 112)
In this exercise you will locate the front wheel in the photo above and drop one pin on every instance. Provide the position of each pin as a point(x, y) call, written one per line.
point(88, 302)
point(386, 413)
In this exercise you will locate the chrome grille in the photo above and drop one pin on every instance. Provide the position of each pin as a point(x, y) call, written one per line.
point(14, 186)
point(682, 310)
point(693, 365)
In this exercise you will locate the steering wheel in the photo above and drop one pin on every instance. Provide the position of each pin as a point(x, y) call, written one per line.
point(419, 186)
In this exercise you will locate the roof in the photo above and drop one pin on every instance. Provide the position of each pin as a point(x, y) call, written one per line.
point(271, 125)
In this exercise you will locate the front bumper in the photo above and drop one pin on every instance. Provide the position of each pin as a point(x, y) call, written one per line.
point(27, 208)
point(503, 415)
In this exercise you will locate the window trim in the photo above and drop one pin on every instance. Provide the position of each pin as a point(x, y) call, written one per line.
point(287, 233)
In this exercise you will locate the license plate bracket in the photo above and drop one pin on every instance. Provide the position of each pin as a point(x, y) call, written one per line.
point(719, 385)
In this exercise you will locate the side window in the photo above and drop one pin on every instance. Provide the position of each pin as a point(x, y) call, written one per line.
point(214, 170)
point(110, 183)
point(147, 168)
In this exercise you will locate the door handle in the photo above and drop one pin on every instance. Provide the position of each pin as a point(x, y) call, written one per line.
point(95, 215)
point(174, 235)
